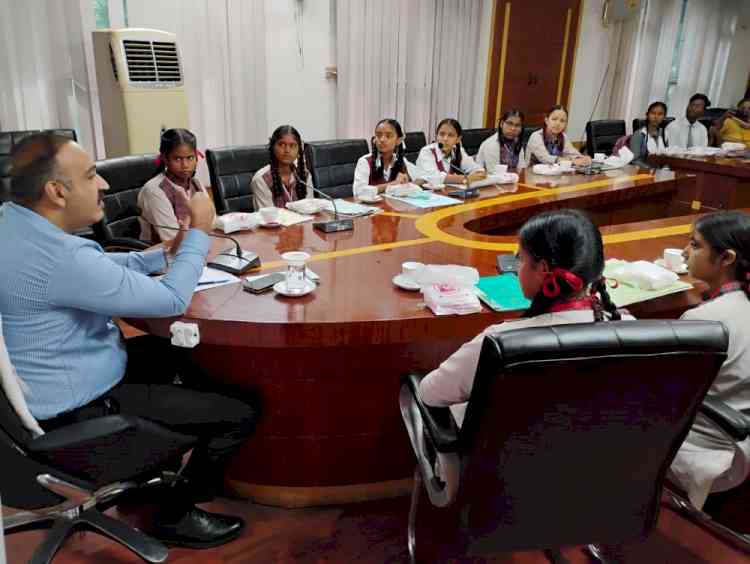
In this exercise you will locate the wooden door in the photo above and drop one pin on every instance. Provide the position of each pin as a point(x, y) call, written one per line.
point(531, 57)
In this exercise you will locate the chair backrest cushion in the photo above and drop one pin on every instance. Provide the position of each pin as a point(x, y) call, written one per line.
point(471, 139)
point(601, 135)
point(414, 141)
point(231, 169)
point(570, 429)
point(332, 164)
point(125, 176)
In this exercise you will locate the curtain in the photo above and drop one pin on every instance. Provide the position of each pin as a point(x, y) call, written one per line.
point(44, 50)
point(709, 30)
point(646, 54)
point(223, 45)
point(415, 61)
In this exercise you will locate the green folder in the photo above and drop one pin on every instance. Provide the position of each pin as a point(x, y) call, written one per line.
point(502, 292)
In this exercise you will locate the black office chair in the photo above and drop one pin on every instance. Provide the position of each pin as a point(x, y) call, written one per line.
point(4, 178)
point(332, 164)
point(725, 513)
point(568, 434)
point(640, 123)
point(471, 139)
point(231, 169)
point(120, 228)
point(601, 135)
point(526, 133)
point(66, 475)
point(414, 141)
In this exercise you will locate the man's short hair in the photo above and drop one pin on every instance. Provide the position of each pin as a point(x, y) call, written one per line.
point(700, 96)
point(33, 163)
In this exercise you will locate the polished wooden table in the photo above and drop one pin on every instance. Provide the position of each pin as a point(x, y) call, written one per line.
point(327, 366)
point(721, 183)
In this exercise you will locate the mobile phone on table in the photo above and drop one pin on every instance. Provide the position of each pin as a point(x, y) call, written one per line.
point(507, 263)
point(263, 283)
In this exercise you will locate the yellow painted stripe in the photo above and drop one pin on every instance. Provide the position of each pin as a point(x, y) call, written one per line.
point(399, 214)
point(354, 251)
point(561, 76)
point(503, 54)
point(647, 234)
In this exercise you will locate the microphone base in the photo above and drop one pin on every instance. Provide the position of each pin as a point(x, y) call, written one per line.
point(334, 225)
point(231, 263)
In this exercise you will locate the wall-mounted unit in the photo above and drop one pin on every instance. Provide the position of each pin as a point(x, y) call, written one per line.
point(141, 88)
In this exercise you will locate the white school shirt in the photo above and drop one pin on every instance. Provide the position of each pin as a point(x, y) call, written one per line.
point(488, 155)
point(654, 146)
point(710, 460)
point(449, 385)
point(362, 172)
point(677, 133)
point(156, 208)
point(426, 162)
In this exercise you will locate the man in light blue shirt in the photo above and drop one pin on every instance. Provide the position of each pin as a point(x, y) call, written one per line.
point(58, 293)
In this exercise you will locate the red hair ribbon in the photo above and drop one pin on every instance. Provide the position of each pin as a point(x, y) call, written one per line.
point(199, 155)
point(159, 161)
point(550, 286)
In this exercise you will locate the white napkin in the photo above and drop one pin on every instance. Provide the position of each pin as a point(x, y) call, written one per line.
point(237, 221)
point(449, 289)
point(547, 169)
point(641, 274)
point(403, 190)
point(308, 206)
point(624, 156)
point(731, 146)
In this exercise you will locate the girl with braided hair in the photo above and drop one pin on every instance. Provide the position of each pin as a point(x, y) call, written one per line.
point(387, 164)
point(719, 254)
point(286, 178)
point(447, 159)
point(561, 265)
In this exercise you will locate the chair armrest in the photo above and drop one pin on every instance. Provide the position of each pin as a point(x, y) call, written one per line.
point(438, 421)
point(126, 244)
point(110, 448)
point(735, 423)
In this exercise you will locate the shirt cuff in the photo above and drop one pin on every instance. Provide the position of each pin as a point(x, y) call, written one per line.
point(155, 260)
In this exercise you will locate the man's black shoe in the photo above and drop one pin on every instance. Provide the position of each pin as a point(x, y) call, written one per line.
point(198, 529)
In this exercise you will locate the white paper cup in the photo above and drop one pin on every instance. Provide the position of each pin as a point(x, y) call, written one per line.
point(410, 270)
point(500, 169)
point(269, 215)
point(673, 259)
point(600, 157)
point(565, 165)
point(368, 192)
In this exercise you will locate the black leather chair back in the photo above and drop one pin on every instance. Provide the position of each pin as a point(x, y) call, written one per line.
point(570, 429)
point(471, 139)
point(526, 133)
point(414, 141)
point(231, 169)
point(601, 135)
point(125, 176)
point(639, 123)
point(332, 164)
point(8, 140)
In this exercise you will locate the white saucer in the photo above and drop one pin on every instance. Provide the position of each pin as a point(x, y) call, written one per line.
point(682, 270)
point(269, 224)
point(280, 288)
point(374, 200)
point(405, 283)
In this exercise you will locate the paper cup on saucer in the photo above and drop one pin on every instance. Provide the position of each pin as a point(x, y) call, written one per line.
point(367, 193)
point(500, 169)
point(673, 259)
point(295, 270)
point(410, 270)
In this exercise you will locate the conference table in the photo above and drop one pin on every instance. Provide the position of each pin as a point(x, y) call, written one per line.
point(721, 182)
point(326, 367)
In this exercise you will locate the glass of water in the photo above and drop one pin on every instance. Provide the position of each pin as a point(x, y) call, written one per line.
point(295, 271)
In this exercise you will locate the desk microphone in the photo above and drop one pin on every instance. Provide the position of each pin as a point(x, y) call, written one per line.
point(237, 262)
point(334, 225)
point(465, 192)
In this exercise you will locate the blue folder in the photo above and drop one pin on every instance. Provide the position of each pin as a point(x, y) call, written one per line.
point(502, 292)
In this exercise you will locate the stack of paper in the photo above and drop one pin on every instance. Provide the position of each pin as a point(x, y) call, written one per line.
point(288, 217)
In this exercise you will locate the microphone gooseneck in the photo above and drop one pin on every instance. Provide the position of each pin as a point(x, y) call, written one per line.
point(320, 192)
point(237, 247)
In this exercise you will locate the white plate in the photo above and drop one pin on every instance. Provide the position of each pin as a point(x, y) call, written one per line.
point(376, 199)
point(682, 270)
point(269, 225)
point(280, 288)
point(405, 283)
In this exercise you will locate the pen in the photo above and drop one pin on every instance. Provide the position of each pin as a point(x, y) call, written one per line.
point(214, 282)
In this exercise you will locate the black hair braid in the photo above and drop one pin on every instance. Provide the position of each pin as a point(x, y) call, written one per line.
point(458, 157)
point(301, 187)
point(399, 166)
point(277, 189)
point(376, 170)
point(743, 273)
point(605, 300)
